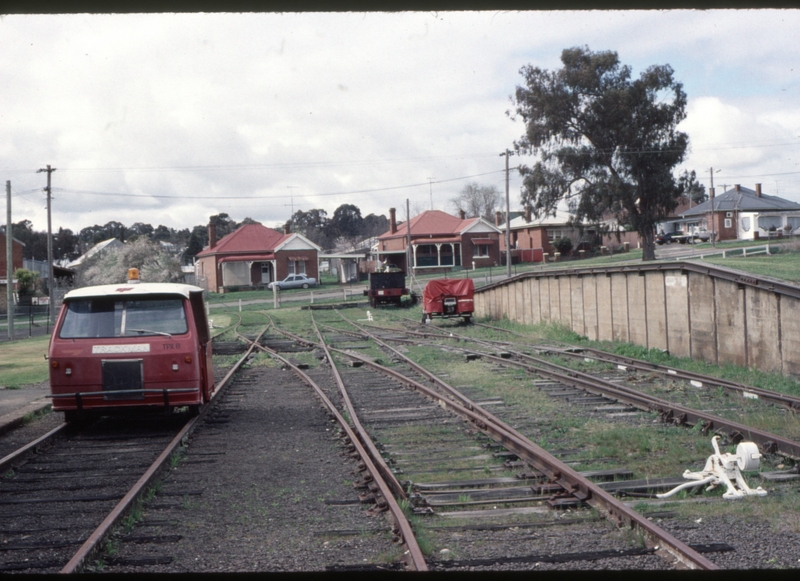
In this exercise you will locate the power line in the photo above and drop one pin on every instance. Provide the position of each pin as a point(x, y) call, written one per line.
point(276, 196)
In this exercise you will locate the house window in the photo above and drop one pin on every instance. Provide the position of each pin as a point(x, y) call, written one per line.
point(769, 222)
point(746, 224)
point(727, 222)
point(297, 267)
point(554, 235)
point(481, 250)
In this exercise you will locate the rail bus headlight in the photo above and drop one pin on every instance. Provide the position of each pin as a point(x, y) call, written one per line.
point(188, 359)
point(54, 364)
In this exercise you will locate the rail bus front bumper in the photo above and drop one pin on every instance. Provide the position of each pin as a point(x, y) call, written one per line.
point(85, 400)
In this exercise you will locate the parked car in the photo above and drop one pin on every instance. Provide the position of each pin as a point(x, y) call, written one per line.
point(293, 281)
point(702, 235)
point(670, 237)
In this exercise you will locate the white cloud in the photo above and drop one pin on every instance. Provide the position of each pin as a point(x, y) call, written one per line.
point(208, 108)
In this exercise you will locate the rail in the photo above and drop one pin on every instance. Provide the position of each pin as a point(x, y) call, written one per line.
point(540, 459)
point(369, 454)
point(121, 509)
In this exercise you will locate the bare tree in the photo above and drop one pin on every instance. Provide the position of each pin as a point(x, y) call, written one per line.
point(477, 200)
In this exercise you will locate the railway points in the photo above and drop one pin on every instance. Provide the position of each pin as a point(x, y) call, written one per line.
point(490, 493)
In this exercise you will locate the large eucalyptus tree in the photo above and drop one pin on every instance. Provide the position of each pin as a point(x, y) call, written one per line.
point(607, 143)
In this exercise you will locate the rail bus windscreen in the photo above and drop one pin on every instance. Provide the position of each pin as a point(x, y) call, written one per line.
point(104, 317)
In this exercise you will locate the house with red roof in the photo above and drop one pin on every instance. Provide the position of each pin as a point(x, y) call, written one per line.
point(439, 242)
point(252, 257)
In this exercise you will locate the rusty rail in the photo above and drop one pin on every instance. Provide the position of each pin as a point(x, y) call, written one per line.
point(123, 506)
point(369, 454)
point(558, 472)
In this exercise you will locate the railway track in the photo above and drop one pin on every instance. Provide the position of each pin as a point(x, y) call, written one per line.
point(480, 493)
point(546, 467)
point(616, 390)
point(602, 405)
point(63, 493)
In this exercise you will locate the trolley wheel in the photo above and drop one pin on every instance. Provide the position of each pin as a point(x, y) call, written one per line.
point(468, 319)
point(71, 416)
point(194, 410)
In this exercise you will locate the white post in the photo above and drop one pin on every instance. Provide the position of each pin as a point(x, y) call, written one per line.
point(312, 297)
point(767, 249)
point(240, 305)
point(344, 293)
point(274, 296)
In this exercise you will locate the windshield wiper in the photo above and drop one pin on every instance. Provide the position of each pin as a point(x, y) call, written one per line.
point(150, 332)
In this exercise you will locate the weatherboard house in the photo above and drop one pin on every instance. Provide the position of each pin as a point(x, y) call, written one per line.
point(253, 256)
point(439, 242)
point(745, 214)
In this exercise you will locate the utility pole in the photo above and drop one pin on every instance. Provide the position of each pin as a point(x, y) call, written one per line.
point(430, 185)
point(713, 218)
point(507, 154)
point(9, 265)
point(409, 250)
point(50, 280)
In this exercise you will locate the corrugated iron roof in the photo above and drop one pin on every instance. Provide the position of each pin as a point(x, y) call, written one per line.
point(248, 238)
point(431, 222)
point(743, 200)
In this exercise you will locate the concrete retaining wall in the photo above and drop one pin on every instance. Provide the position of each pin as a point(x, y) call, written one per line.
point(691, 310)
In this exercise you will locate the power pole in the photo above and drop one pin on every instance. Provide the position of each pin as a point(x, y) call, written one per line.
point(9, 265)
point(713, 218)
point(430, 185)
point(50, 280)
point(507, 153)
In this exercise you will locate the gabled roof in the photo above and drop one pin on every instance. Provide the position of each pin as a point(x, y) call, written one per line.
point(435, 223)
point(99, 247)
point(247, 239)
point(743, 200)
point(292, 241)
point(559, 218)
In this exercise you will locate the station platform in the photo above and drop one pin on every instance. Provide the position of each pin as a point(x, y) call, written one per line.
point(15, 404)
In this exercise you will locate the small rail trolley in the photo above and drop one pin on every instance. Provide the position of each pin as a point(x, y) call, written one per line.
point(448, 297)
point(386, 286)
point(131, 345)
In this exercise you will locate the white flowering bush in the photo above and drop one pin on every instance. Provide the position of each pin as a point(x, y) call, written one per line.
point(111, 266)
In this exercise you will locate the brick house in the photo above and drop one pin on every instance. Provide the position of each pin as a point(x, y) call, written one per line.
point(252, 257)
point(744, 214)
point(439, 242)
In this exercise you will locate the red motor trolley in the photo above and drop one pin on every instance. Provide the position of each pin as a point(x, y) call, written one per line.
point(130, 345)
point(448, 297)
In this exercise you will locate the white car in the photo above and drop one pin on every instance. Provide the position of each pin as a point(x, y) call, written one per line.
point(293, 281)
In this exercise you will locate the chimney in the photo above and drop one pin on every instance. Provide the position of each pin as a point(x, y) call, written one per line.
point(758, 190)
point(392, 221)
point(497, 218)
point(287, 228)
point(212, 236)
point(738, 187)
point(462, 214)
point(527, 214)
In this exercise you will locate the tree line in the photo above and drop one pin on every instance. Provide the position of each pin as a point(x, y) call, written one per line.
point(346, 227)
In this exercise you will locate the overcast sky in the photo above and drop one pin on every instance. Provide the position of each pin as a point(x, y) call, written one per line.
point(169, 119)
